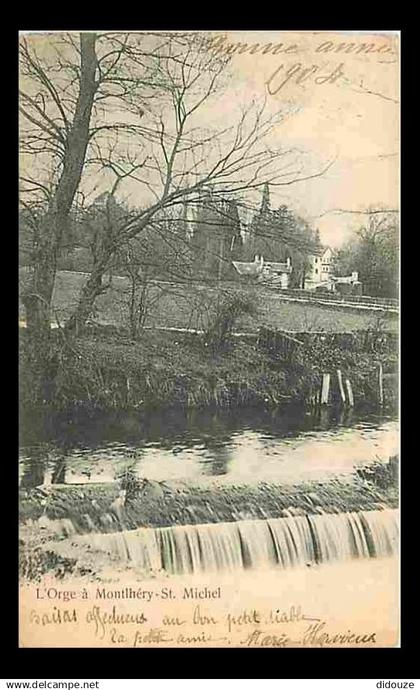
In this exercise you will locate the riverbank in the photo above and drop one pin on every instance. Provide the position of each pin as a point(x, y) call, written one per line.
point(105, 370)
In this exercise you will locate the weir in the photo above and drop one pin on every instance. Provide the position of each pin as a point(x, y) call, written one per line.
point(281, 542)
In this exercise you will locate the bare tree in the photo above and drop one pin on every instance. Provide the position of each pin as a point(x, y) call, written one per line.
point(67, 140)
point(65, 82)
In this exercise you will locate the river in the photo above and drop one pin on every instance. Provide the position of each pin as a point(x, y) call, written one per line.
point(286, 445)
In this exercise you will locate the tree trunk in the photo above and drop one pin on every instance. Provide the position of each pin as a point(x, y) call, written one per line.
point(38, 296)
point(94, 287)
point(91, 290)
point(132, 308)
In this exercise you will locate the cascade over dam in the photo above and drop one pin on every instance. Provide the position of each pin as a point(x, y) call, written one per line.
point(282, 542)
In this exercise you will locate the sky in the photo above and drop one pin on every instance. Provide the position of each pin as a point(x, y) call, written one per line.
point(353, 121)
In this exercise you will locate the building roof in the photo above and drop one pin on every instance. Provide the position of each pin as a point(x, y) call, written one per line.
point(247, 268)
point(320, 251)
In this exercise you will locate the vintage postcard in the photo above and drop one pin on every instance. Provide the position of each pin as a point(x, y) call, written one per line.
point(209, 339)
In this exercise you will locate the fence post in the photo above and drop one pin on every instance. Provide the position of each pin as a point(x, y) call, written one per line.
point(340, 385)
point(349, 393)
point(325, 390)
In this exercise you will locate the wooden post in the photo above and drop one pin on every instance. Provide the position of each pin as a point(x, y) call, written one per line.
point(325, 390)
point(340, 385)
point(381, 383)
point(349, 393)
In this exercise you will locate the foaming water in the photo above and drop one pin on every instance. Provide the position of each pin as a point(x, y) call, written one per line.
point(288, 542)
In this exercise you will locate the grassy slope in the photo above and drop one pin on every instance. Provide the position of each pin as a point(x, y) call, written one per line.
point(188, 307)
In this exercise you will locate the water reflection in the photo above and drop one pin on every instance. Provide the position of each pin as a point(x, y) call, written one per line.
point(285, 444)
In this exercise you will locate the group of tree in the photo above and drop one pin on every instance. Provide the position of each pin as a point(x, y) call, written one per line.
point(373, 251)
point(198, 242)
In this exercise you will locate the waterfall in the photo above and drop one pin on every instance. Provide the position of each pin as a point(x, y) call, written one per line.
point(282, 542)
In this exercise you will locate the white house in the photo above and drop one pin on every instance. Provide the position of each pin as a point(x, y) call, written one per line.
point(277, 273)
point(320, 268)
point(349, 280)
point(340, 284)
point(274, 273)
point(320, 274)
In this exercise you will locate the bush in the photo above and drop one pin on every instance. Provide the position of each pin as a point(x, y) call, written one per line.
point(383, 475)
point(218, 334)
point(34, 563)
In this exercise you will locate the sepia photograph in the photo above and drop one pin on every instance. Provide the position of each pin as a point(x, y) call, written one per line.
point(209, 239)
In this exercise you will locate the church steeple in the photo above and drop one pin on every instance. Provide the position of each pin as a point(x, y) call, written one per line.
point(261, 229)
point(265, 202)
